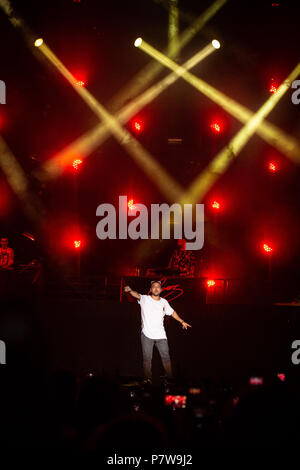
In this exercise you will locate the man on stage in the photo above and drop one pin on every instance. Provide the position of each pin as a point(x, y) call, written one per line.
point(153, 310)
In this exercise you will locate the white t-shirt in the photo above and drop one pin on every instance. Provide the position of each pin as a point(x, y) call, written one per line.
point(153, 312)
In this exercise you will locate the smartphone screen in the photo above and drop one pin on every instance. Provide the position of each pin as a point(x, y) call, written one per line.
point(256, 381)
point(177, 401)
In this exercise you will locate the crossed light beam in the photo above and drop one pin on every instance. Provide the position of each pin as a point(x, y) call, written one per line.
point(205, 180)
point(222, 161)
point(140, 82)
point(144, 77)
point(167, 185)
point(84, 145)
point(274, 136)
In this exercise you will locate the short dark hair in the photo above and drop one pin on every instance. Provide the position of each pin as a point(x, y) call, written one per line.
point(155, 282)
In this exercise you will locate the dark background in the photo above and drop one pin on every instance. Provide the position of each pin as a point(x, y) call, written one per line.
point(226, 341)
point(61, 319)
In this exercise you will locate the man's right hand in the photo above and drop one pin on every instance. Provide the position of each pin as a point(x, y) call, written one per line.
point(133, 293)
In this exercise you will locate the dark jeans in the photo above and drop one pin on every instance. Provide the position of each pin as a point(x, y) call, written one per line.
point(163, 349)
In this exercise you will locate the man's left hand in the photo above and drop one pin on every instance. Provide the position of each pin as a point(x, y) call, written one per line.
point(185, 325)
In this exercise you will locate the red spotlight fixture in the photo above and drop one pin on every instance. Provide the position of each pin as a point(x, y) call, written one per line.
point(130, 204)
point(77, 244)
point(216, 127)
point(267, 248)
point(272, 167)
point(281, 377)
point(76, 163)
point(273, 86)
point(256, 380)
point(215, 205)
point(210, 283)
point(137, 125)
point(80, 76)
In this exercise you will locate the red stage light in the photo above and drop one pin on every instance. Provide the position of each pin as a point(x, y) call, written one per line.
point(177, 401)
point(281, 377)
point(137, 125)
point(76, 163)
point(80, 76)
point(215, 205)
point(256, 380)
point(273, 86)
point(77, 243)
point(210, 283)
point(267, 248)
point(272, 166)
point(130, 204)
point(71, 237)
point(216, 127)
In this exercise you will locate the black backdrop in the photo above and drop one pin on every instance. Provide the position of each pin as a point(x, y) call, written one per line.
point(104, 337)
point(225, 341)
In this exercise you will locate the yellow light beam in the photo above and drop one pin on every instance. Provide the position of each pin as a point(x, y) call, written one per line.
point(221, 162)
point(85, 145)
point(18, 181)
point(167, 185)
point(173, 28)
point(144, 77)
point(274, 136)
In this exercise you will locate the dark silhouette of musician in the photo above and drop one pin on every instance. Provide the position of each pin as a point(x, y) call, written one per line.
point(6, 255)
point(183, 261)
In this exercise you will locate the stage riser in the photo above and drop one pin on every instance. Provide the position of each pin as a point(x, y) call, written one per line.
point(225, 341)
point(104, 337)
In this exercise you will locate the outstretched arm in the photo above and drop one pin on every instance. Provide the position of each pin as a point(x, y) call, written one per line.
point(185, 325)
point(134, 294)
